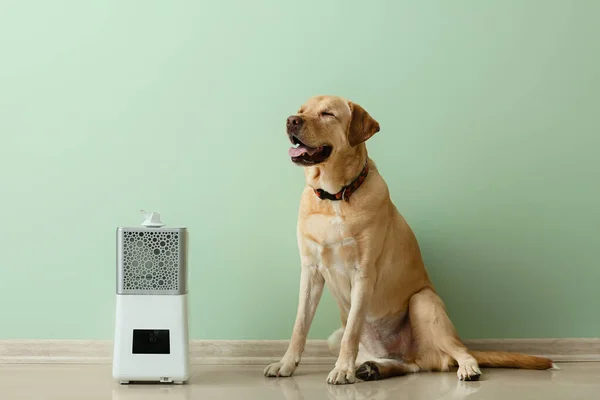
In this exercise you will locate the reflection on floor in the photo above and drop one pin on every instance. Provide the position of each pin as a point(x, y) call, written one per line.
point(90, 382)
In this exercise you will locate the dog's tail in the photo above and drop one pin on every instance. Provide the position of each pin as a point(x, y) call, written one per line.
point(501, 359)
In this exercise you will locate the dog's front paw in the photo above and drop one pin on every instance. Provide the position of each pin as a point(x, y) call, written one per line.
point(341, 376)
point(468, 372)
point(280, 369)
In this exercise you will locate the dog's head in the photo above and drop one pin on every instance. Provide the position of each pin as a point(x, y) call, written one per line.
point(326, 126)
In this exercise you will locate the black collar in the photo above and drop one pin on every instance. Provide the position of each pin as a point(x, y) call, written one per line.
point(346, 191)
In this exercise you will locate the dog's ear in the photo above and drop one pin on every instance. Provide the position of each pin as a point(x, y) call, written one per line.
point(362, 126)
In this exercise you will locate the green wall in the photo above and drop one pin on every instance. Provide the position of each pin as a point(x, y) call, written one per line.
point(489, 143)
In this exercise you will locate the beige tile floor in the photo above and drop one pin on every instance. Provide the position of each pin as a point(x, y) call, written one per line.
point(91, 382)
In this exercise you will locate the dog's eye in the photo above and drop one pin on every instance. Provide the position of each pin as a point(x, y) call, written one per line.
point(327, 114)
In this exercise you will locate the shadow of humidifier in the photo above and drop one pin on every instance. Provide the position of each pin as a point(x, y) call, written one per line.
point(151, 328)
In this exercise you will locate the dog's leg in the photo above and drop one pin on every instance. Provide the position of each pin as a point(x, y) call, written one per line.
point(311, 288)
point(438, 345)
point(382, 368)
point(360, 295)
point(374, 361)
point(334, 341)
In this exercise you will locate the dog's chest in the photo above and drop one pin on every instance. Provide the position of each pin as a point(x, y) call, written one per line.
point(327, 243)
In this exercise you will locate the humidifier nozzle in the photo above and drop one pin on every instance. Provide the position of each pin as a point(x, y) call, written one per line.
point(151, 219)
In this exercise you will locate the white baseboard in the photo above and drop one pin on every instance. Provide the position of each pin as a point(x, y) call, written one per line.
point(262, 352)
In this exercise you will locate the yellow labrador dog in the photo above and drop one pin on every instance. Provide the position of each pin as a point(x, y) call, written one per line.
point(352, 238)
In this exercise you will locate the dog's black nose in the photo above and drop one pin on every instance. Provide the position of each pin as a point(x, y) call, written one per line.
point(294, 123)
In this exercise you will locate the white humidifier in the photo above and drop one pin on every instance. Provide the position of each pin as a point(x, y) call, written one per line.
point(151, 331)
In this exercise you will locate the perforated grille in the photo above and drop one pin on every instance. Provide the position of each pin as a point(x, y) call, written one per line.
point(151, 261)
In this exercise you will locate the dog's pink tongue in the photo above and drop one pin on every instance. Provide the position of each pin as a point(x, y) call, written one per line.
point(300, 150)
